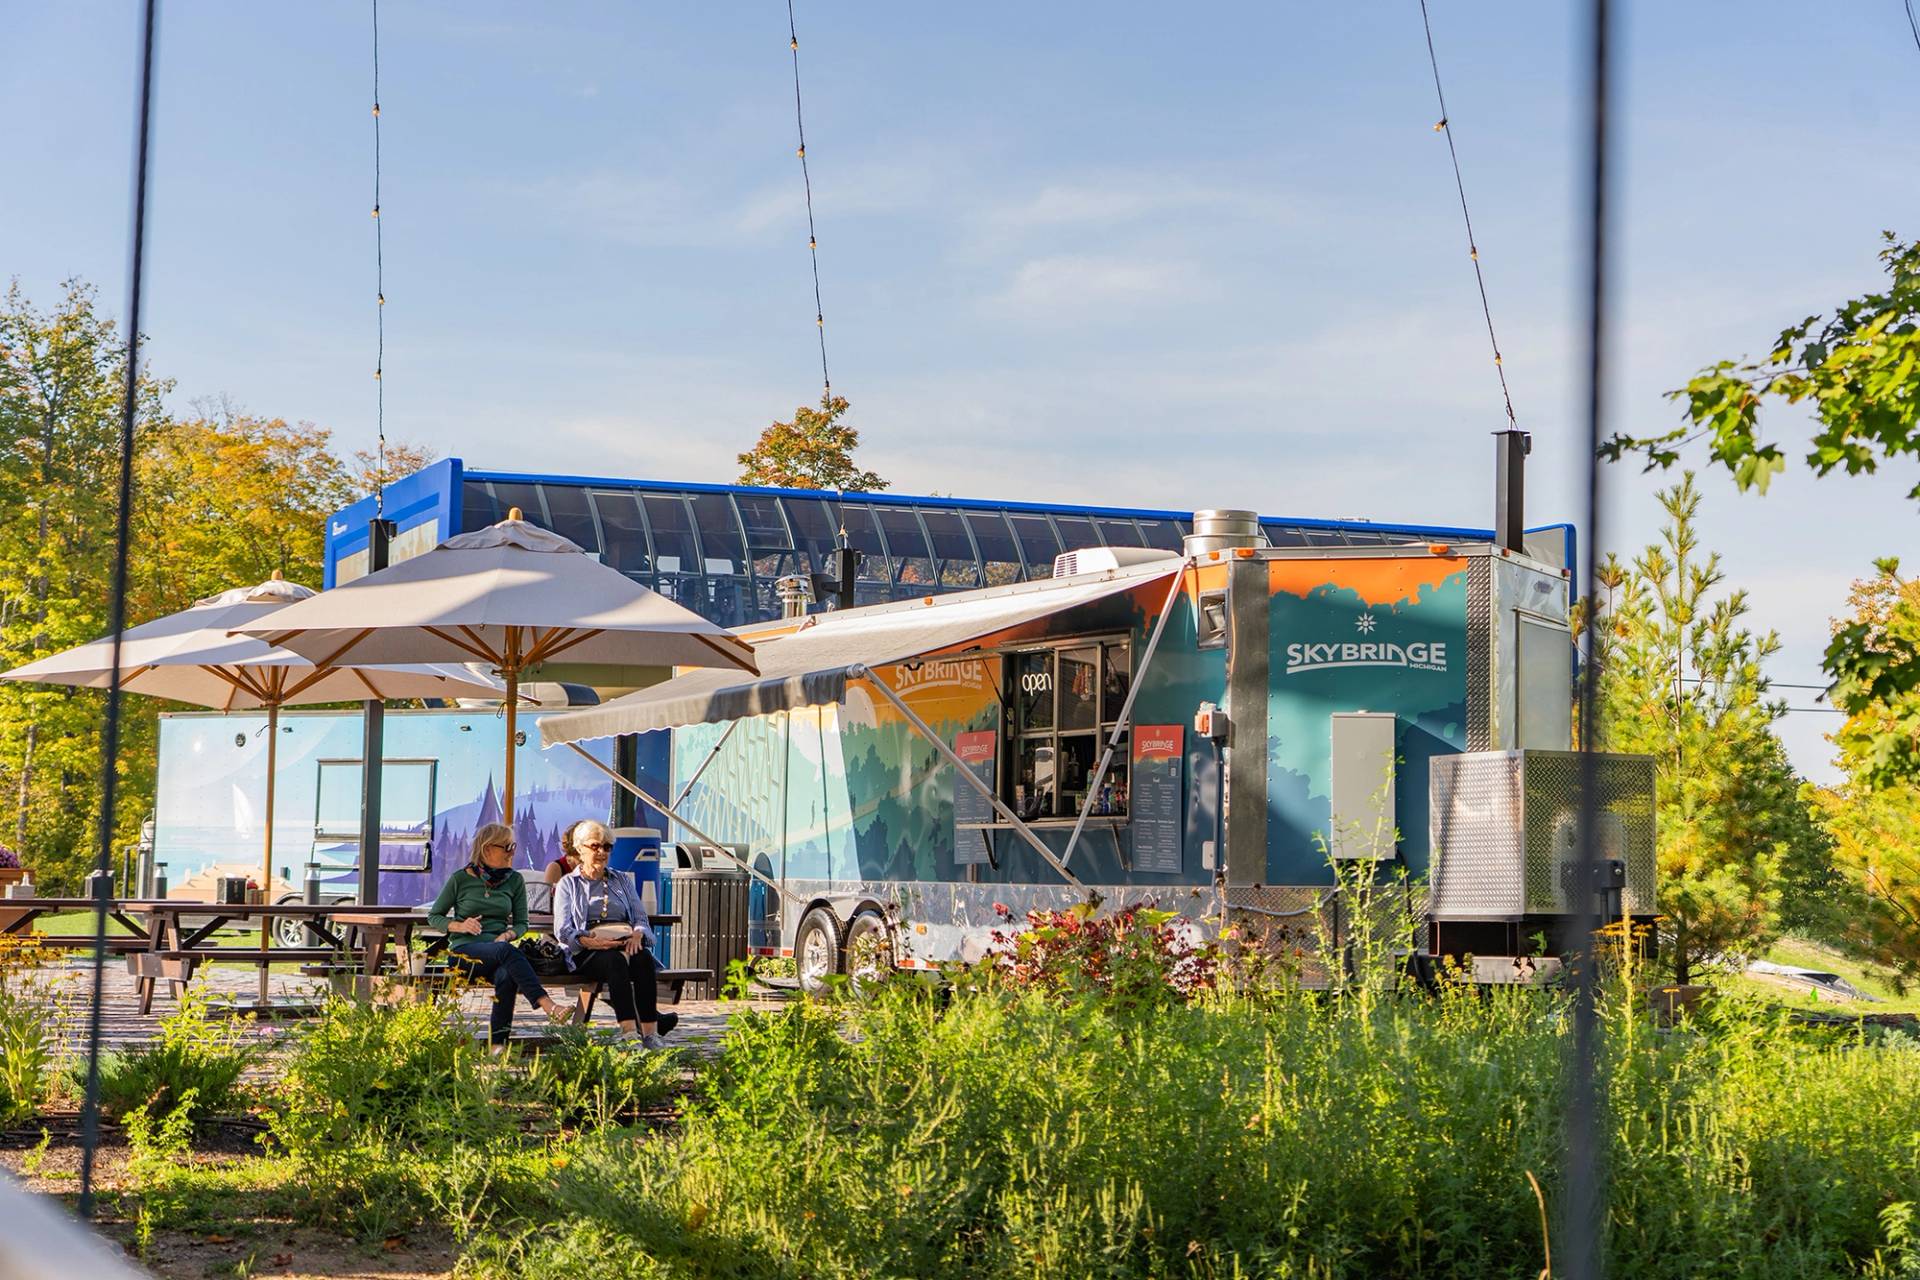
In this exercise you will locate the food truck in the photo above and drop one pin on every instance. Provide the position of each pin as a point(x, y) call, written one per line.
point(1213, 730)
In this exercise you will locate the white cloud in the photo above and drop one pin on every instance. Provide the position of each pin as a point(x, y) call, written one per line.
point(1085, 284)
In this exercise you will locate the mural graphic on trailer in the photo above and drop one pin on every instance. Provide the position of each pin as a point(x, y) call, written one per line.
point(854, 793)
point(440, 785)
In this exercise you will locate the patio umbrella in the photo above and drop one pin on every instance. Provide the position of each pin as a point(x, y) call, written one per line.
point(193, 656)
point(515, 598)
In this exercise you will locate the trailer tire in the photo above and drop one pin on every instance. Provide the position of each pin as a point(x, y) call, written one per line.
point(818, 949)
point(869, 949)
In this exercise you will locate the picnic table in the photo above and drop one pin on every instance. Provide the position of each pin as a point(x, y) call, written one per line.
point(173, 950)
point(17, 916)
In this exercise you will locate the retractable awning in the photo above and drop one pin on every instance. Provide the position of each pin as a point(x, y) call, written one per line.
point(810, 667)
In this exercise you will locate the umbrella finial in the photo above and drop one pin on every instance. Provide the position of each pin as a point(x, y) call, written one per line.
point(513, 513)
point(276, 576)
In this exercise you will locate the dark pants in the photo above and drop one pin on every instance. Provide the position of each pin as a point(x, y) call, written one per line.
point(511, 973)
point(631, 986)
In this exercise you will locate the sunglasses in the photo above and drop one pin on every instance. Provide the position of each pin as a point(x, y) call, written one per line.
point(510, 848)
point(601, 845)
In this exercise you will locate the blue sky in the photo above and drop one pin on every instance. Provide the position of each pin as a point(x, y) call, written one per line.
point(1158, 254)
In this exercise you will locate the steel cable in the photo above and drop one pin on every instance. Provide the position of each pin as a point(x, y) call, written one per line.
point(806, 179)
point(1445, 126)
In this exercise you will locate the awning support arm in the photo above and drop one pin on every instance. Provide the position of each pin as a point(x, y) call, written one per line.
point(698, 834)
point(1126, 710)
point(711, 757)
point(859, 672)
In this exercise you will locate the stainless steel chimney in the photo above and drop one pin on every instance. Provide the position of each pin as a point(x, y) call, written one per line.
point(1219, 530)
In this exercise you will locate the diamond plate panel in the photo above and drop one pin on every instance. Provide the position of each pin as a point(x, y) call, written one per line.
point(1474, 824)
point(1505, 831)
point(1479, 654)
point(1624, 826)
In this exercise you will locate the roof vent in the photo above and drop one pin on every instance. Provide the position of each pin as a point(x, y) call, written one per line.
point(1102, 559)
point(1220, 530)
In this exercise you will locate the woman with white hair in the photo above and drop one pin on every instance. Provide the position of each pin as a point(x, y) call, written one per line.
point(600, 923)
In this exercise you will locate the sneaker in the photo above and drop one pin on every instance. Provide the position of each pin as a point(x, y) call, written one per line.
point(667, 1022)
point(652, 1041)
point(563, 1015)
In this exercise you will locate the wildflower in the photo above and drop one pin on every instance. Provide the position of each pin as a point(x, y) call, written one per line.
point(1002, 910)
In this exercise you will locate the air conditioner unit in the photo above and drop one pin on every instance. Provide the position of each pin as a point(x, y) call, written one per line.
point(1102, 559)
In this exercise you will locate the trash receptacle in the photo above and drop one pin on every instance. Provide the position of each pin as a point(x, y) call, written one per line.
point(711, 902)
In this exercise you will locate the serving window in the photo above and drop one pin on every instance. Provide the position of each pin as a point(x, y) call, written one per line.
point(1062, 703)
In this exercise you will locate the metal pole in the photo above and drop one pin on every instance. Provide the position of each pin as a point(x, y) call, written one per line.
point(117, 620)
point(373, 745)
point(1583, 1225)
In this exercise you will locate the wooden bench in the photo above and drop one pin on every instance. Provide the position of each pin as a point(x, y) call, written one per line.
point(587, 990)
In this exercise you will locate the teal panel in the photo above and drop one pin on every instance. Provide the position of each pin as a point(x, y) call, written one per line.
point(1332, 651)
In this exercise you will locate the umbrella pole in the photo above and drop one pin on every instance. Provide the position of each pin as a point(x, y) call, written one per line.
point(266, 863)
point(512, 675)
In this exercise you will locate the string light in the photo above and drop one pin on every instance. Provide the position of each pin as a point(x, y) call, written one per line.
point(380, 295)
point(806, 178)
point(1445, 126)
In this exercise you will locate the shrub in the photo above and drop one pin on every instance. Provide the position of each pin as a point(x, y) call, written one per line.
point(195, 1066)
point(1137, 955)
point(589, 1079)
point(372, 1098)
point(26, 1056)
point(1016, 1133)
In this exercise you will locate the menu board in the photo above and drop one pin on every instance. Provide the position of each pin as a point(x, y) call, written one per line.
point(971, 810)
point(1159, 751)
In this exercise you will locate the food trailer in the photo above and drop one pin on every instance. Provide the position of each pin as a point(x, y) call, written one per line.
point(1214, 730)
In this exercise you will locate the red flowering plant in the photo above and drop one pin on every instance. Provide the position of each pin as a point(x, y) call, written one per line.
point(1135, 956)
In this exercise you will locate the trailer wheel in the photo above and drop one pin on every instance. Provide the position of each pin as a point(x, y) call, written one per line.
point(869, 949)
point(817, 951)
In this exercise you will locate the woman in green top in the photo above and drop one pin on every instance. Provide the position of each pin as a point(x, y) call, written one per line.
point(483, 908)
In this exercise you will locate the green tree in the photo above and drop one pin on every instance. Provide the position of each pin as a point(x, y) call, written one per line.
point(1875, 821)
point(221, 499)
point(1859, 371)
point(1680, 679)
point(62, 378)
point(814, 451)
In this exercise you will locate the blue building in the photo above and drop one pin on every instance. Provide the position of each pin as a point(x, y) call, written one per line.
point(718, 549)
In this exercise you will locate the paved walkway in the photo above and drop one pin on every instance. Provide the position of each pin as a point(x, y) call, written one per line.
point(67, 988)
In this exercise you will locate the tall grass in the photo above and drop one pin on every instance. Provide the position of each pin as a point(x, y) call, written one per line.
point(1010, 1134)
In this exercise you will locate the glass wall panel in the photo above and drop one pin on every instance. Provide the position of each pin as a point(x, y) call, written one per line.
point(864, 536)
point(1037, 542)
point(954, 561)
point(912, 564)
point(999, 553)
point(623, 533)
point(1076, 532)
point(476, 505)
point(1164, 534)
point(571, 514)
point(1120, 533)
point(721, 542)
point(814, 522)
point(674, 550)
point(524, 496)
point(1282, 535)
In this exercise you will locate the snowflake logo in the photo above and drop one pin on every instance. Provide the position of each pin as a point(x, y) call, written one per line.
point(1364, 623)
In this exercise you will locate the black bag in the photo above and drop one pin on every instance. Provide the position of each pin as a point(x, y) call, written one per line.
point(545, 955)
